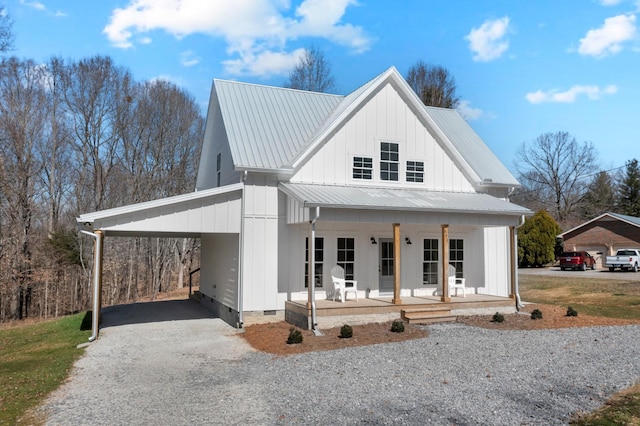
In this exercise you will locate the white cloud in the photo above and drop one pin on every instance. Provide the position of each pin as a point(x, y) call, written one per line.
point(488, 42)
point(256, 31)
point(34, 4)
point(570, 96)
point(264, 64)
point(608, 39)
point(188, 58)
point(468, 112)
point(610, 2)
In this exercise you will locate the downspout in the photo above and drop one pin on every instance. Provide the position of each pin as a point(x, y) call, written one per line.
point(241, 255)
point(97, 282)
point(519, 304)
point(312, 270)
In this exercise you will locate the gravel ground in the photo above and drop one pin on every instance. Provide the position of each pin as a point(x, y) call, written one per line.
point(187, 368)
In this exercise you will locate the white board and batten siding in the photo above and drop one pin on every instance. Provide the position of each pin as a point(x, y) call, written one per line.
point(260, 233)
point(385, 118)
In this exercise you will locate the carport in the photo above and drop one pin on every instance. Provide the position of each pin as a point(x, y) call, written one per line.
point(211, 212)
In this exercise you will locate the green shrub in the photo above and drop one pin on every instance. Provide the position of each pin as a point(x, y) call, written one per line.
point(497, 317)
point(295, 336)
point(537, 240)
point(536, 314)
point(346, 331)
point(571, 312)
point(397, 326)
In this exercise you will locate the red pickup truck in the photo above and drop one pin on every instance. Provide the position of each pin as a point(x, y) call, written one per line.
point(577, 260)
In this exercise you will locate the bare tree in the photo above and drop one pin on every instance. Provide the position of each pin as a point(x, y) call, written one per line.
point(556, 167)
point(23, 112)
point(92, 89)
point(433, 84)
point(312, 73)
point(6, 31)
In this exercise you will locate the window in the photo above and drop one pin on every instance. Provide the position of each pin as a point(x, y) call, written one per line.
point(415, 171)
point(456, 256)
point(389, 160)
point(362, 168)
point(318, 261)
point(218, 166)
point(430, 262)
point(347, 256)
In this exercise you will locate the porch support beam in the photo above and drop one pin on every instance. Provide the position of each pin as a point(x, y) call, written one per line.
point(445, 263)
point(514, 270)
point(396, 264)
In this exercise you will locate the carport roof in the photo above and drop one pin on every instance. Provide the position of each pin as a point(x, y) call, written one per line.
point(186, 215)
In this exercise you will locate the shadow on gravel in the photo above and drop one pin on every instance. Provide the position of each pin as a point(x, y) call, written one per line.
point(147, 312)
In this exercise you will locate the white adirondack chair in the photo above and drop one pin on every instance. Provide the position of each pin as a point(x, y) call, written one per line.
point(341, 286)
point(455, 283)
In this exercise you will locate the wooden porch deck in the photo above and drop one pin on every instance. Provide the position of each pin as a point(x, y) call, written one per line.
point(368, 309)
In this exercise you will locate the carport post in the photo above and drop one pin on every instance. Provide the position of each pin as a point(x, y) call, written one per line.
point(97, 282)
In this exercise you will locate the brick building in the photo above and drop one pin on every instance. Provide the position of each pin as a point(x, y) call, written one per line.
point(603, 235)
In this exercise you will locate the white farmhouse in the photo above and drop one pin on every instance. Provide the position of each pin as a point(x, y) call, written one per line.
point(375, 182)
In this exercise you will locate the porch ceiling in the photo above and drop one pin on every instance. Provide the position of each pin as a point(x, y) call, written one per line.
point(359, 197)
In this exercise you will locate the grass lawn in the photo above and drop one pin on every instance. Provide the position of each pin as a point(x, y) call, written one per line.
point(34, 360)
point(593, 296)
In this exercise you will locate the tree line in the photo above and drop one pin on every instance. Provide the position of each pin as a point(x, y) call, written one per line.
point(80, 136)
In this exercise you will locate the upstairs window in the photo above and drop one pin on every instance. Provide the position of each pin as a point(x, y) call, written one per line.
point(218, 167)
point(415, 171)
point(362, 168)
point(389, 160)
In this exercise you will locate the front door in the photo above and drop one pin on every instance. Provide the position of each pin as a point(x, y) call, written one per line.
point(386, 265)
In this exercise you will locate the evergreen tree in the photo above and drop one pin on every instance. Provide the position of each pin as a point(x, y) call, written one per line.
point(600, 196)
point(537, 241)
point(629, 190)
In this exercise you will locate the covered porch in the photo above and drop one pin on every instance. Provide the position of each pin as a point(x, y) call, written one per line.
point(400, 246)
point(418, 309)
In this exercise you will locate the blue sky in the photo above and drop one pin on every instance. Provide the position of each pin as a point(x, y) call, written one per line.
point(523, 68)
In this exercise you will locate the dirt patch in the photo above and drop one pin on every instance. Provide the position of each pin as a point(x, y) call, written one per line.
point(272, 337)
point(552, 317)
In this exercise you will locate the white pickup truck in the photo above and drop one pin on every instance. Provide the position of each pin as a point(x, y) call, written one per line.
point(624, 259)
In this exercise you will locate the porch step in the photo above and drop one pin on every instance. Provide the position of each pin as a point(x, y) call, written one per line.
point(427, 315)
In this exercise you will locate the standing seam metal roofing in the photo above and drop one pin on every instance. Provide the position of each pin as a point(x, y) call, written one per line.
point(273, 124)
point(481, 159)
point(357, 197)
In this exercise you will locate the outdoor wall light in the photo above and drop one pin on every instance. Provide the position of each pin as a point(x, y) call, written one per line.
point(407, 240)
point(373, 241)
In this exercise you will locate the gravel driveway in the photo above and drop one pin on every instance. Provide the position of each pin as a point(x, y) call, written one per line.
point(170, 363)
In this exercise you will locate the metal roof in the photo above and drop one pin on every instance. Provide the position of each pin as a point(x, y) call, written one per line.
point(278, 128)
point(354, 197)
point(267, 126)
point(473, 149)
point(89, 218)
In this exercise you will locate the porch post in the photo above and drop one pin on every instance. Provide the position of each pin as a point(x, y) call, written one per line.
point(514, 272)
point(311, 263)
point(445, 263)
point(396, 264)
